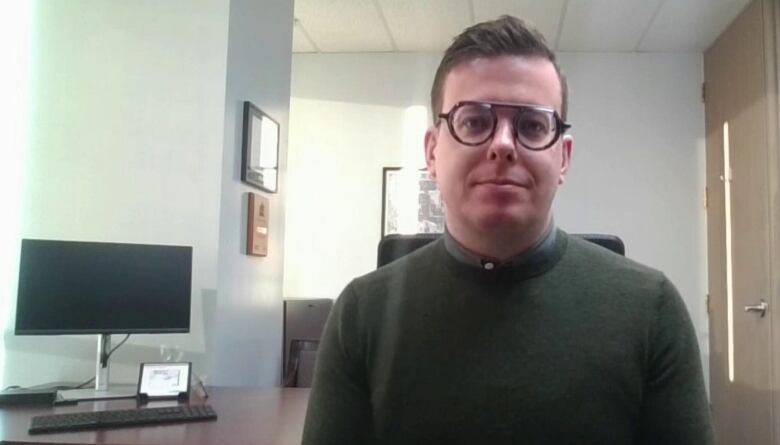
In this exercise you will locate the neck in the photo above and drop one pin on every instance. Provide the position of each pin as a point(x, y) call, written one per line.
point(500, 244)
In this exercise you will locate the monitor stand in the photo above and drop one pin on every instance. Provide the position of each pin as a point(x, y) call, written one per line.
point(101, 391)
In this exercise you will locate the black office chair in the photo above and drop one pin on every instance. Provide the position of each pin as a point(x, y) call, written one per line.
point(304, 320)
point(610, 242)
point(392, 247)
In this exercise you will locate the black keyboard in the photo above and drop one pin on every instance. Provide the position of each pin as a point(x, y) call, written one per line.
point(120, 418)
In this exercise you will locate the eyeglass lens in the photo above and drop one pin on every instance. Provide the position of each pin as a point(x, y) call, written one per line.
point(475, 123)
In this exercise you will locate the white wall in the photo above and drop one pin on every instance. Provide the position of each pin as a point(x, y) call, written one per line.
point(347, 121)
point(15, 24)
point(248, 336)
point(638, 163)
point(334, 189)
point(136, 116)
point(127, 113)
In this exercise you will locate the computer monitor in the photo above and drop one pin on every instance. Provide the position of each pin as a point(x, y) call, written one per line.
point(78, 287)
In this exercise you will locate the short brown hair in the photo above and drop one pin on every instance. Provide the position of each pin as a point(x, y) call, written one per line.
point(504, 36)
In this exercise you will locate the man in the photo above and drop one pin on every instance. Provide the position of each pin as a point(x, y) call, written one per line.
point(506, 330)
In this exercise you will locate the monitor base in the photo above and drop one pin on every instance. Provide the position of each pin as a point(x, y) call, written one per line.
point(66, 396)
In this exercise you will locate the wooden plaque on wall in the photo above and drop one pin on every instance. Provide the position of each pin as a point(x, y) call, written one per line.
point(257, 226)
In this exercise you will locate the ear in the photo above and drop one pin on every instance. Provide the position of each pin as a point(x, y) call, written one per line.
point(566, 146)
point(431, 138)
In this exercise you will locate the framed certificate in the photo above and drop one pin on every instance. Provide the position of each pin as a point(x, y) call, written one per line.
point(260, 149)
point(164, 380)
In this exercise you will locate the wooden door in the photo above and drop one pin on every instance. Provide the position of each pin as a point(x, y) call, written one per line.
point(739, 230)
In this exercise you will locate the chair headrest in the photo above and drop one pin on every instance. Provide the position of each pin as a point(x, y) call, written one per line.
point(392, 247)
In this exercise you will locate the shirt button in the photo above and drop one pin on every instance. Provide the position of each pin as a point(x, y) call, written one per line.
point(489, 266)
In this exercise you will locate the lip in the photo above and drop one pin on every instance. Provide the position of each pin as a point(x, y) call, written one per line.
point(500, 182)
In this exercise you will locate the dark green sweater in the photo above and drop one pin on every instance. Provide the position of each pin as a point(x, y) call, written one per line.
point(582, 347)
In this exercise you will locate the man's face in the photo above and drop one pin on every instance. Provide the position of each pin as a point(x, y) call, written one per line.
point(498, 186)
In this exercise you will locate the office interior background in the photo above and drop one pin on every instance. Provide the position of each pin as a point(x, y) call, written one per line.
point(128, 119)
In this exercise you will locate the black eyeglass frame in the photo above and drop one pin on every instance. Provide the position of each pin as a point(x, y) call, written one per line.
point(560, 126)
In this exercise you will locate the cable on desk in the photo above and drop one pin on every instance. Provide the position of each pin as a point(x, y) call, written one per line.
point(201, 385)
point(81, 385)
point(117, 346)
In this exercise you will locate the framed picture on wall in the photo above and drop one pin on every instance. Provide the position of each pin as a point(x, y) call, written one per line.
point(259, 149)
point(257, 225)
point(411, 202)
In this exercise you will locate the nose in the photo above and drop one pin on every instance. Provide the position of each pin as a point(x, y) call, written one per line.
point(502, 147)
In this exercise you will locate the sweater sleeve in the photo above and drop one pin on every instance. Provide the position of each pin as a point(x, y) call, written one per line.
point(675, 409)
point(339, 410)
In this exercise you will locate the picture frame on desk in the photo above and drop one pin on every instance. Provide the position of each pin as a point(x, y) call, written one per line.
point(165, 380)
point(260, 149)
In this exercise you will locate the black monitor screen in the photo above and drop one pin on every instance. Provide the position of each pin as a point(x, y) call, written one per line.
point(68, 287)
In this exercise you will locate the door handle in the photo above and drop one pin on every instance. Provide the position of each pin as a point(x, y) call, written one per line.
point(761, 307)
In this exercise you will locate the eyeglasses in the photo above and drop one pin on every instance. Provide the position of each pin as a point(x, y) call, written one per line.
point(474, 123)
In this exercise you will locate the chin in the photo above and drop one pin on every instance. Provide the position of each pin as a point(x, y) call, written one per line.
point(517, 216)
point(503, 221)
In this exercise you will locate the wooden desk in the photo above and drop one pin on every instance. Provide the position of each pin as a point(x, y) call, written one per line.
point(245, 416)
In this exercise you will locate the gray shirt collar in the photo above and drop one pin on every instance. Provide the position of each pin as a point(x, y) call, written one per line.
point(537, 253)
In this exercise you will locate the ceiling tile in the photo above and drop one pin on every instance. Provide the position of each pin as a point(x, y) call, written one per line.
point(544, 15)
point(343, 25)
point(587, 25)
point(301, 43)
point(426, 25)
point(606, 25)
point(690, 25)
